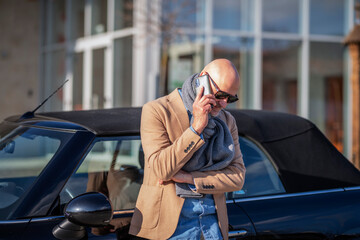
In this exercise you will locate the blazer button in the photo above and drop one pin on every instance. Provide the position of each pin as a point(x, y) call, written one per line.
point(185, 150)
point(192, 143)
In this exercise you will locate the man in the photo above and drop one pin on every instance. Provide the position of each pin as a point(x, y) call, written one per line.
point(172, 133)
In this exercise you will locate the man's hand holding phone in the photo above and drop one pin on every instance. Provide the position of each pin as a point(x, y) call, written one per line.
point(202, 106)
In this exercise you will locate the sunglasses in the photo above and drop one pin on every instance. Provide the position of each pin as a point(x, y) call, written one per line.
point(221, 94)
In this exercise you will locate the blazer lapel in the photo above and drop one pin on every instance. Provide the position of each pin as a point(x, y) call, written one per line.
point(178, 110)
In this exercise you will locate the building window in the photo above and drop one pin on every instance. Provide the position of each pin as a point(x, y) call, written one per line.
point(98, 16)
point(98, 81)
point(78, 19)
point(183, 14)
point(233, 15)
point(326, 90)
point(97, 66)
point(185, 57)
point(239, 51)
point(327, 17)
point(281, 16)
point(77, 81)
point(123, 71)
point(123, 14)
point(280, 75)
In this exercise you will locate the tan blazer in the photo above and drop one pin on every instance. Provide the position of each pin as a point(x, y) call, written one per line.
point(168, 144)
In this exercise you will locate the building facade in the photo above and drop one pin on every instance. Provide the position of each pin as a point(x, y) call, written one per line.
point(119, 53)
point(19, 56)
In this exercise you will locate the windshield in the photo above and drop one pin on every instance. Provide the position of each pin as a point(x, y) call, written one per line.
point(24, 153)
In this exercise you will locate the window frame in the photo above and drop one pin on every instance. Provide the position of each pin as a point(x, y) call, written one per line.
point(229, 196)
point(88, 150)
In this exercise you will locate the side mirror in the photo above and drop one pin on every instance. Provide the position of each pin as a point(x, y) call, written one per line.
point(91, 209)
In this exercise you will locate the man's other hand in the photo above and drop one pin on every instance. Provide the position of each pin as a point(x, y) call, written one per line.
point(181, 177)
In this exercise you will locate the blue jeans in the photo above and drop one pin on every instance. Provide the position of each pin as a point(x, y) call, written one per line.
point(198, 218)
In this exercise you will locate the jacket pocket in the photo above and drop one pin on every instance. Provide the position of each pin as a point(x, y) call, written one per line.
point(148, 206)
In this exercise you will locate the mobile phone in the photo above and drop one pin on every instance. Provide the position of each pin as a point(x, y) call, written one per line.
point(203, 81)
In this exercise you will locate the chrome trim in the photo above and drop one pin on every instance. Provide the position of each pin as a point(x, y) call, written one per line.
point(288, 195)
point(15, 221)
point(265, 152)
point(39, 219)
point(237, 233)
point(63, 217)
point(123, 211)
point(352, 188)
point(230, 201)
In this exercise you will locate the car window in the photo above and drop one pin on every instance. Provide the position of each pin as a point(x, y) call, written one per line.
point(24, 153)
point(113, 167)
point(261, 178)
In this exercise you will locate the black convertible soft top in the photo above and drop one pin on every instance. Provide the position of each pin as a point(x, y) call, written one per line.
point(304, 158)
point(103, 122)
point(260, 125)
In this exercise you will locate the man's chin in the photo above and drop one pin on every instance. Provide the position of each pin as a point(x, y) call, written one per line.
point(215, 112)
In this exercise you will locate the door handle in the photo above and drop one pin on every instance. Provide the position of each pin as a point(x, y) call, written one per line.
point(237, 233)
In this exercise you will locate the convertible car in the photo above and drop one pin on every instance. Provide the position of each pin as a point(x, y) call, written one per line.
point(76, 175)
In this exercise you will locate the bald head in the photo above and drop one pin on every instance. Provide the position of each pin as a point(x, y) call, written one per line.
point(224, 74)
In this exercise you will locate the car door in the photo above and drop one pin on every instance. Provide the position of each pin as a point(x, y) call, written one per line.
point(13, 229)
point(260, 179)
point(326, 214)
point(240, 225)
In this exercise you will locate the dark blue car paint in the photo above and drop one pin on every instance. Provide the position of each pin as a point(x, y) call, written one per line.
point(333, 215)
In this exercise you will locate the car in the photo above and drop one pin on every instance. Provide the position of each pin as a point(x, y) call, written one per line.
point(76, 175)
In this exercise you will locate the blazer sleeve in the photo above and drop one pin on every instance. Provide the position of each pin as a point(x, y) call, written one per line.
point(228, 179)
point(165, 157)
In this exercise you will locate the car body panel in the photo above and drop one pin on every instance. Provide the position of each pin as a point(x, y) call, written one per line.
point(13, 229)
point(239, 221)
point(314, 215)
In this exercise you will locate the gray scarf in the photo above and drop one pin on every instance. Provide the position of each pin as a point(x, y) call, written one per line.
point(218, 150)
